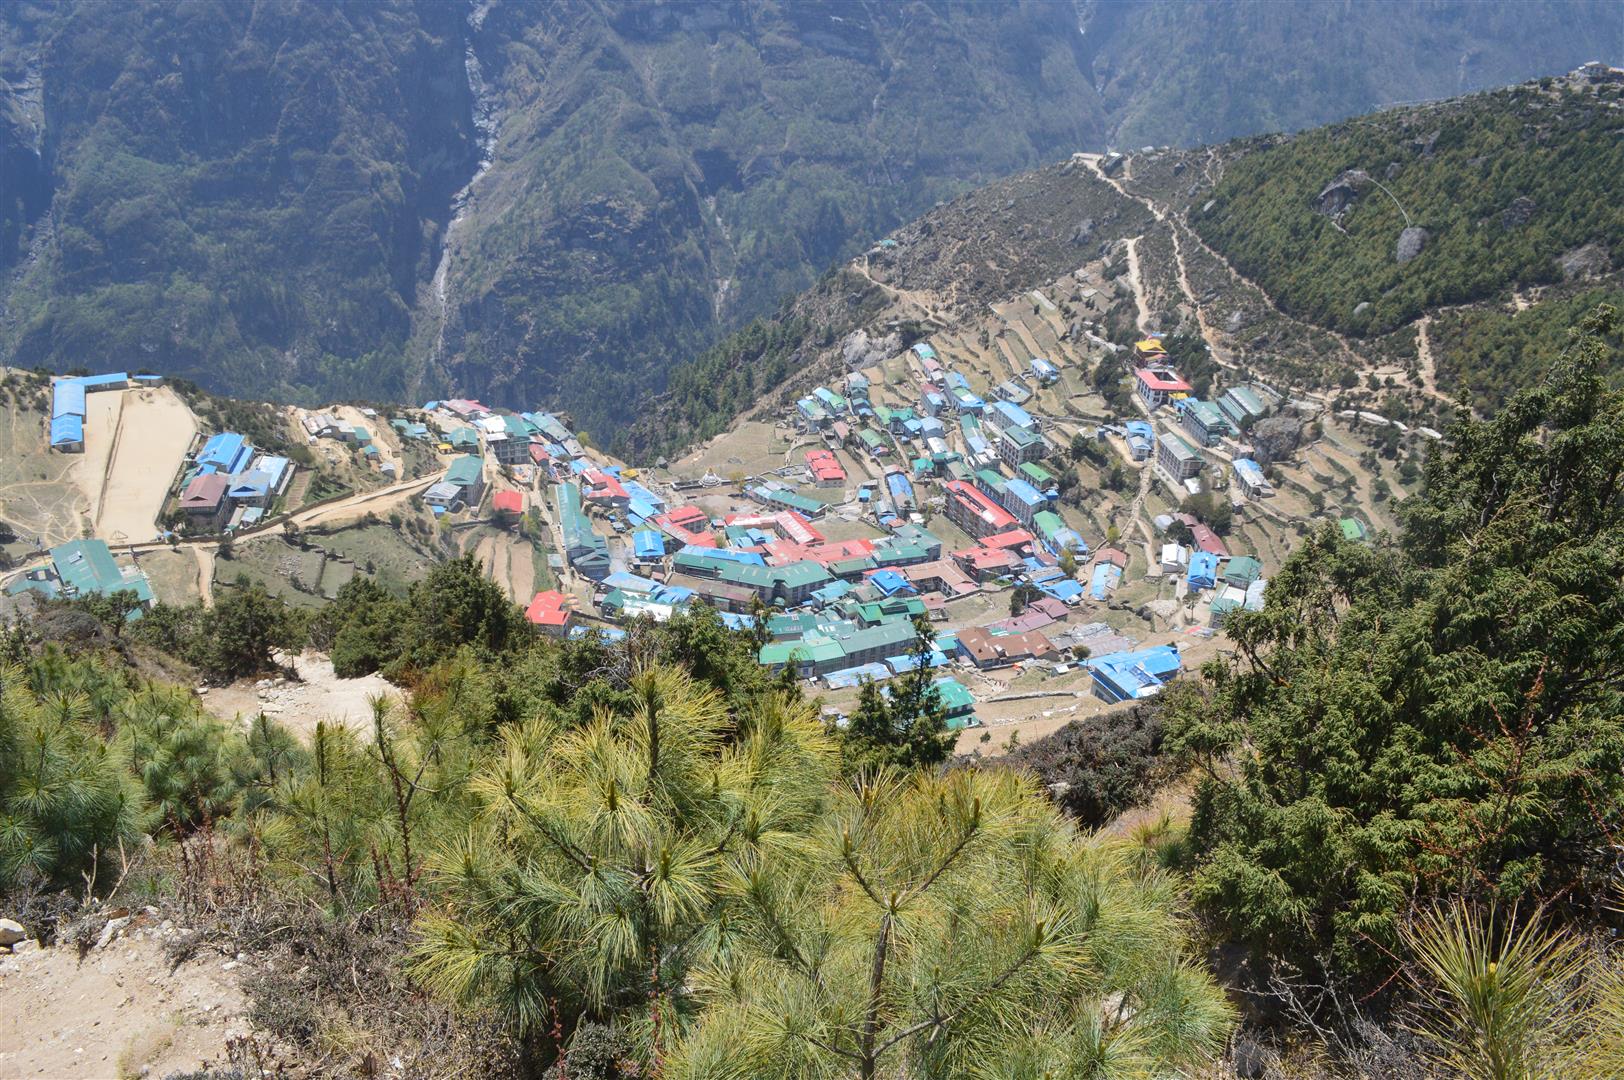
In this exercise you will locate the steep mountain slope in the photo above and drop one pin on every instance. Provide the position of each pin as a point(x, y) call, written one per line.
point(1266, 248)
point(245, 194)
point(566, 202)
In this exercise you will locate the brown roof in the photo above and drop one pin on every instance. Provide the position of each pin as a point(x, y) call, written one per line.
point(985, 648)
point(204, 492)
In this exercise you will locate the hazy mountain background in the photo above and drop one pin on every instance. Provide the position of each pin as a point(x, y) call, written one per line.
point(557, 202)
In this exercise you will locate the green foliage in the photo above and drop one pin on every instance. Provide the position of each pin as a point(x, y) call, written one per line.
point(1442, 717)
point(181, 754)
point(240, 633)
point(1563, 153)
point(1498, 999)
point(67, 796)
point(906, 724)
point(1487, 354)
point(602, 860)
point(948, 926)
point(1099, 766)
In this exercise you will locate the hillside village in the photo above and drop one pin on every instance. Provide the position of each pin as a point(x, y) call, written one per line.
point(1034, 498)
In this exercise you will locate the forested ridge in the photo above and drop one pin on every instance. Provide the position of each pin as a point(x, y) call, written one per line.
point(1505, 190)
point(653, 857)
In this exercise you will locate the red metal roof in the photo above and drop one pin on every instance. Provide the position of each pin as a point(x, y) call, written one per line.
point(509, 501)
point(1162, 379)
point(549, 608)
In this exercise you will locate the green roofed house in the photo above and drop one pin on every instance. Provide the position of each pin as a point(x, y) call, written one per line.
point(833, 649)
point(790, 584)
point(1242, 571)
point(811, 656)
point(83, 568)
point(958, 702)
point(1037, 475)
point(1352, 529)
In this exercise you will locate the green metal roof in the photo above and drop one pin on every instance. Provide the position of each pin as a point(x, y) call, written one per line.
point(807, 650)
point(991, 479)
point(1352, 529)
point(465, 470)
point(1021, 437)
point(956, 697)
point(1037, 474)
point(1047, 522)
point(1243, 568)
point(87, 566)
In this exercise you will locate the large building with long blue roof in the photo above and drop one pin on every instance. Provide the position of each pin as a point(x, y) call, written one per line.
point(68, 407)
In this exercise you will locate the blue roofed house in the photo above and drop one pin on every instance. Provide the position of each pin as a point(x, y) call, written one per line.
point(1129, 676)
point(648, 545)
point(227, 452)
point(1203, 570)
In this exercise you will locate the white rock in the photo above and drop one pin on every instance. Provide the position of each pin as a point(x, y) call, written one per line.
point(27, 945)
point(111, 930)
point(11, 932)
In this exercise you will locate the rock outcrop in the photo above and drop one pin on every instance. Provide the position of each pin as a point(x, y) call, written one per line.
point(1410, 244)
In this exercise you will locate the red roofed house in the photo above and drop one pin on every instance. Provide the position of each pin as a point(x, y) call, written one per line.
point(687, 525)
point(508, 504)
point(1116, 558)
point(786, 523)
point(1010, 540)
point(973, 512)
point(826, 470)
point(1159, 385)
point(601, 487)
point(985, 563)
point(987, 650)
point(1207, 540)
point(550, 610)
point(205, 502)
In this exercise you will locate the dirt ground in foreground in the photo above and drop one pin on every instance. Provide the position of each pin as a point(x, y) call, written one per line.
point(321, 695)
point(118, 1012)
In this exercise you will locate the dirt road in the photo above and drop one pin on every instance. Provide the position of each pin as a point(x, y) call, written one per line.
point(154, 429)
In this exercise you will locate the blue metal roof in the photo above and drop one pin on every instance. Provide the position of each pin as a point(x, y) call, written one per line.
point(67, 429)
point(222, 451)
point(1203, 570)
point(1105, 578)
point(111, 378)
point(67, 398)
point(1025, 492)
point(1126, 675)
point(648, 544)
point(1014, 414)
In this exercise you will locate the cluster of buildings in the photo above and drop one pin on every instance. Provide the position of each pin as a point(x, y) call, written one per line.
point(324, 425)
point(84, 568)
point(228, 484)
point(1196, 425)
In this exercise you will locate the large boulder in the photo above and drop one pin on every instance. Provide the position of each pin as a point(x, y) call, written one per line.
point(12, 932)
point(1342, 192)
point(1275, 438)
point(1589, 261)
point(1518, 213)
point(1410, 243)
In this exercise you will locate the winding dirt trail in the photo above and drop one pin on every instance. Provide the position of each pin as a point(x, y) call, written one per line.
point(205, 572)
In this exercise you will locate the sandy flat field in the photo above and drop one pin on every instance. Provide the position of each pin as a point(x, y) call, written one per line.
point(151, 433)
point(103, 411)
